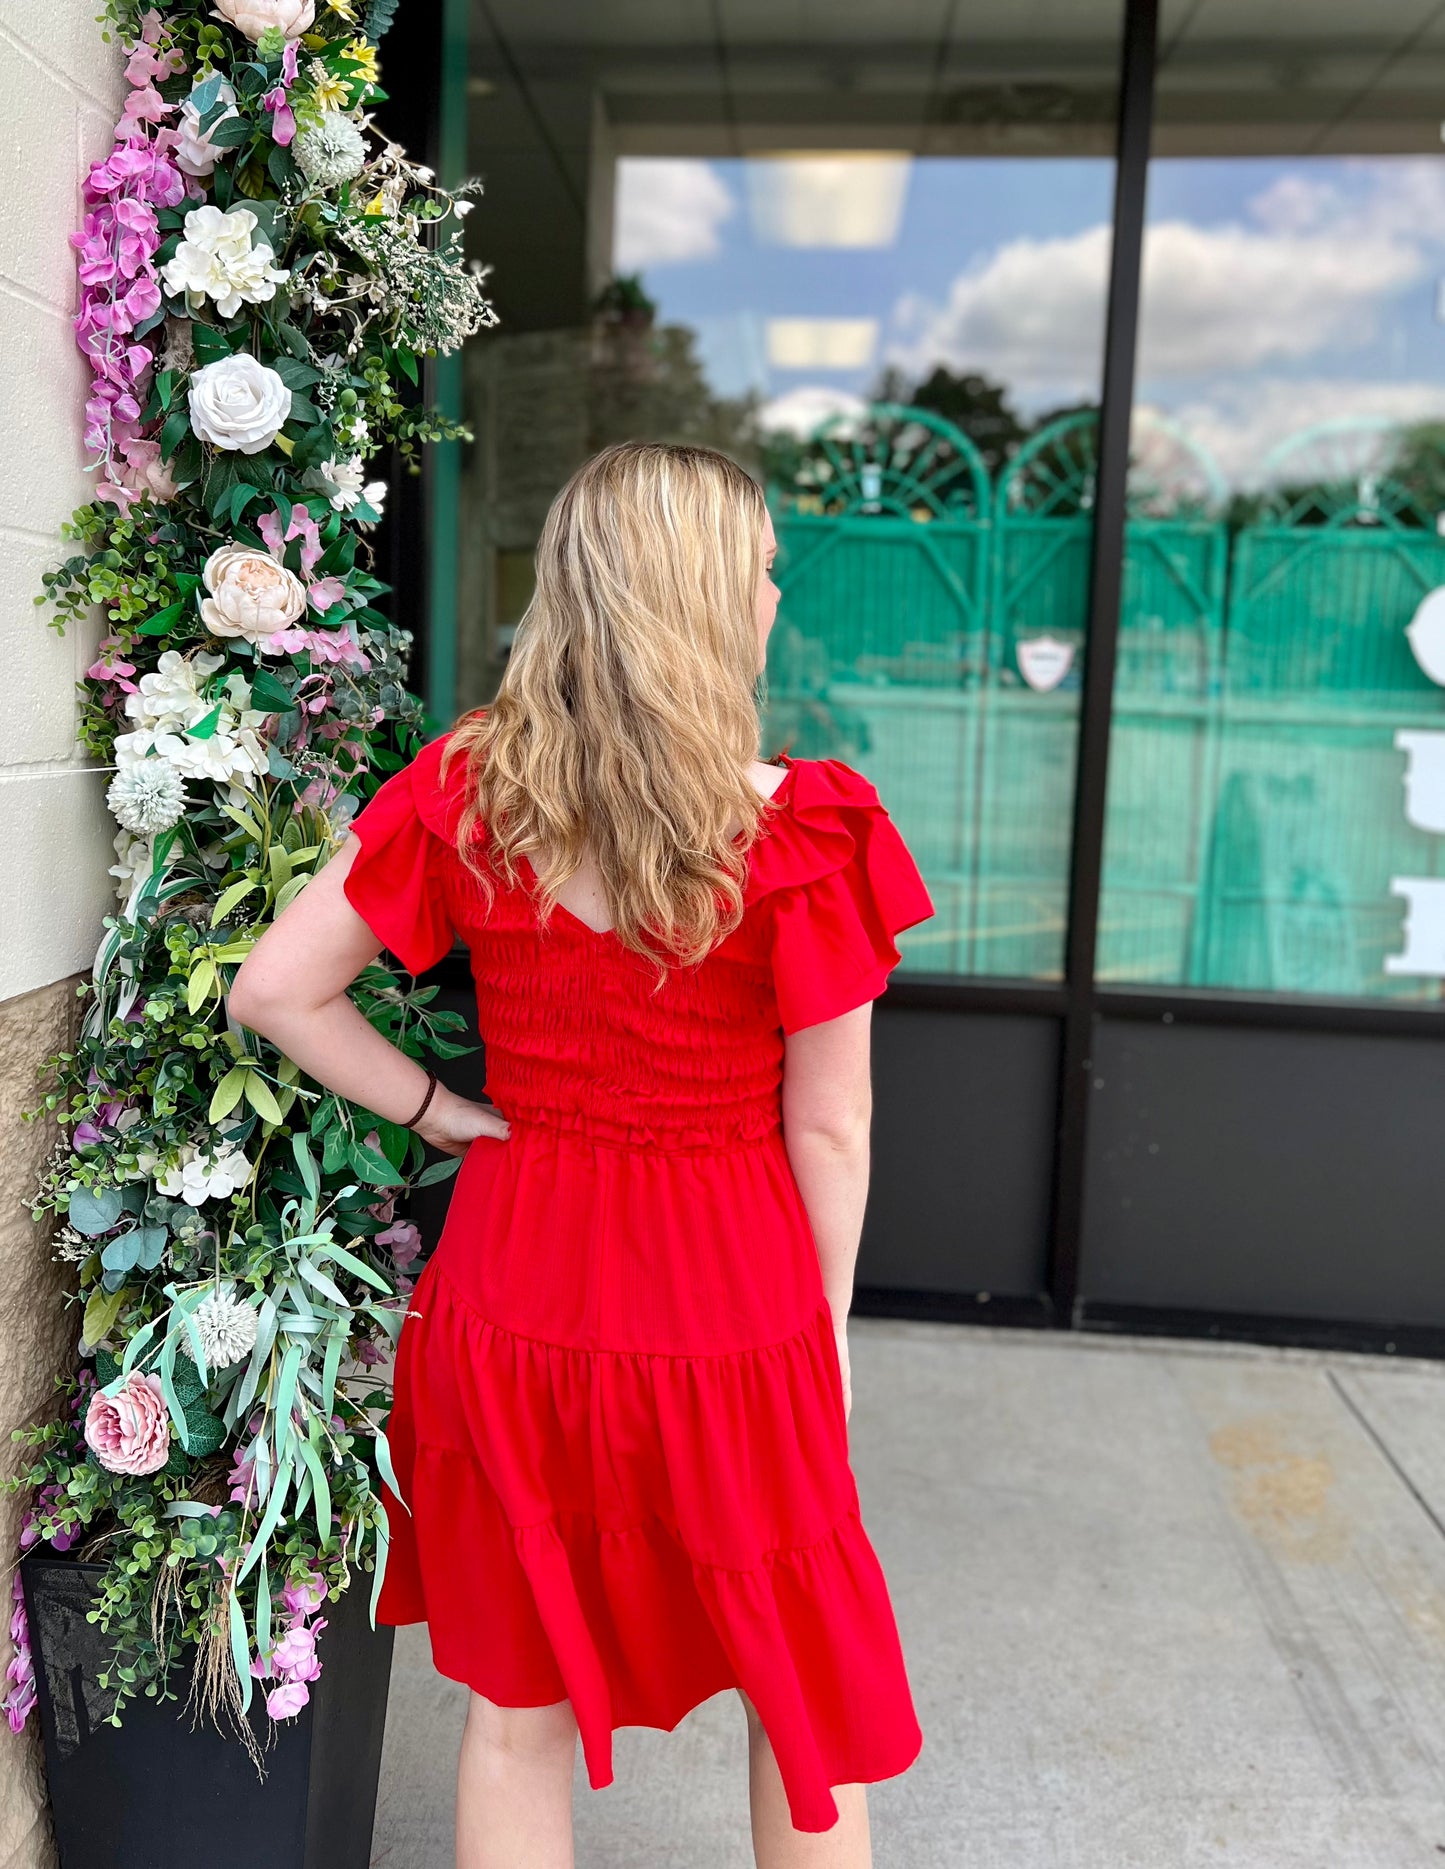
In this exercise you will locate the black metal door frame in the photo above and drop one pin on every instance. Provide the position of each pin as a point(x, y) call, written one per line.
point(1079, 1004)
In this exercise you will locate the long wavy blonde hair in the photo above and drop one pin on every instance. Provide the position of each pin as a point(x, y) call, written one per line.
point(626, 718)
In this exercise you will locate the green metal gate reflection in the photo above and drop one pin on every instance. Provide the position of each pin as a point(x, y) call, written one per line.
point(1255, 811)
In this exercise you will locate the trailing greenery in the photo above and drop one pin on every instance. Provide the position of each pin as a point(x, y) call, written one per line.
point(262, 277)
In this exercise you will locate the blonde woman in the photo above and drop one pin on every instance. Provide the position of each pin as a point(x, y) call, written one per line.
point(622, 1387)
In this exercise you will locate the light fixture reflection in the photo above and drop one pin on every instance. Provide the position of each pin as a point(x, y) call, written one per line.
point(821, 343)
point(831, 198)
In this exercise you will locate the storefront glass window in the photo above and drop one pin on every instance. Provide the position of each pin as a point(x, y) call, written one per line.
point(1276, 817)
point(871, 264)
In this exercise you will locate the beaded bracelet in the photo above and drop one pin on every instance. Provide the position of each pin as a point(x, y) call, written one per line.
point(431, 1084)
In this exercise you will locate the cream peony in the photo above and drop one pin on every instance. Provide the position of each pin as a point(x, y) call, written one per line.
point(130, 1431)
point(251, 595)
point(253, 17)
point(194, 152)
point(237, 403)
point(219, 260)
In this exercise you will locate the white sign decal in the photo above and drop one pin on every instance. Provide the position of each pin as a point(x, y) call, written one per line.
point(1426, 635)
point(1424, 779)
point(1424, 926)
point(1044, 661)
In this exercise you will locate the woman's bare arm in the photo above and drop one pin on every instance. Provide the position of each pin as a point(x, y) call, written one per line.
point(292, 989)
point(827, 1113)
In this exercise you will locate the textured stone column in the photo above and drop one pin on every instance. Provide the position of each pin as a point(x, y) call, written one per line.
point(62, 88)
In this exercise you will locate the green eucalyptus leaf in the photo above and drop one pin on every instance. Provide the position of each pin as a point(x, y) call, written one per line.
point(95, 1210)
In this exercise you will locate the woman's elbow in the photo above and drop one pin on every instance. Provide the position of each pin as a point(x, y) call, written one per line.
point(249, 1002)
point(841, 1125)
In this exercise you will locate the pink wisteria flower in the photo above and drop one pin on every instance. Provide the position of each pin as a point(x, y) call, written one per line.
point(287, 1700)
point(120, 295)
point(19, 1698)
point(404, 1240)
point(130, 1431)
point(278, 103)
point(111, 665)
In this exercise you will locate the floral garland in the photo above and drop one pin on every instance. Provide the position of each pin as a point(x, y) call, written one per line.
point(260, 275)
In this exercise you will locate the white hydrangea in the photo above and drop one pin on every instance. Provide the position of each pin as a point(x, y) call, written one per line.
point(205, 1175)
point(170, 696)
point(218, 260)
point(331, 153)
point(148, 796)
point(227, 1327)
point(231, 752)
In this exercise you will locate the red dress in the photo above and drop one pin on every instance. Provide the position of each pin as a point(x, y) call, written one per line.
point(618, 1415)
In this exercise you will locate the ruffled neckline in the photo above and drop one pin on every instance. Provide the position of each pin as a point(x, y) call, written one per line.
point(819, 810)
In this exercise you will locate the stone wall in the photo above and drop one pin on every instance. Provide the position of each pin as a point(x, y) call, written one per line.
point(61, 87)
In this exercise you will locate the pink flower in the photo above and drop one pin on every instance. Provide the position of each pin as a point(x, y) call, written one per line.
point(323, 646)
point(283, 118)
point(403, 1239)
point(19, 1698)
point(287, 1700)
point(302, 527)
point(242, 1477)
point(304, 1598)
point(130, 1431)
point(294, 1656)
point(324, 593)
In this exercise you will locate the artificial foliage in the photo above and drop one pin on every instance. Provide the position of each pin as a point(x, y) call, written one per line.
point(262, 274)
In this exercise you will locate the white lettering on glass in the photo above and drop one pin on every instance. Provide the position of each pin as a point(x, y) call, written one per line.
point(1424, 926)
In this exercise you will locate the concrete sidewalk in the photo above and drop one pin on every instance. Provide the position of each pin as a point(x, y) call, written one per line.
point(1163, 1606)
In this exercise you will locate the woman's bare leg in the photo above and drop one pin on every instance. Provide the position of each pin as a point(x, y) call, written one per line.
point(776, 1844)
point(514, 1786)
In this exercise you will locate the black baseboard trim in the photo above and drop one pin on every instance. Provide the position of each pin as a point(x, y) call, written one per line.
point(950, 1307)
point(1142, 1320)
point(1299, 1333)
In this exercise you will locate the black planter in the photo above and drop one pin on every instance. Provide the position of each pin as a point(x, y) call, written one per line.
point(153, 1794)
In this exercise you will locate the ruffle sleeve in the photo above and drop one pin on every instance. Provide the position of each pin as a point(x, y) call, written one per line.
point(843, 884)
point(397, 882)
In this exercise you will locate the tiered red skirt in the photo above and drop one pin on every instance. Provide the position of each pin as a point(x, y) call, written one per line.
point(619, 1428)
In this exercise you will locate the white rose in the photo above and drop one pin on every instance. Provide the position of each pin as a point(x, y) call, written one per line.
point(238, 404)
point(194, 152)
point(251, 595)
point(253, 17)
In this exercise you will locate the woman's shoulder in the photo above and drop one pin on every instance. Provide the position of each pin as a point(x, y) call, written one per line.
point(439, 777)
point(825, 814)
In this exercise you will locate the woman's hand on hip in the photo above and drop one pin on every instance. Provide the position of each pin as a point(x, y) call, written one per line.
point(453, 1123)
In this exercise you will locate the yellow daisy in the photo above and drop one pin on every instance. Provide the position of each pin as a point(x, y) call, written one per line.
point(329, 93)
point(363, 56)
point(346, 9)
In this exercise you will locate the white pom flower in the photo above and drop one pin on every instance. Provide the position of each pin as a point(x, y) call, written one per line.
point(331, 153)
point(205, 1176)
point(253, 17)
point(194, 152)
point(218, 259)
point(239, 404)
point(227, 1327)
point(147, 797)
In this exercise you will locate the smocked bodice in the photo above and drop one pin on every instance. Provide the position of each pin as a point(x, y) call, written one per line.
point(577, 1034)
